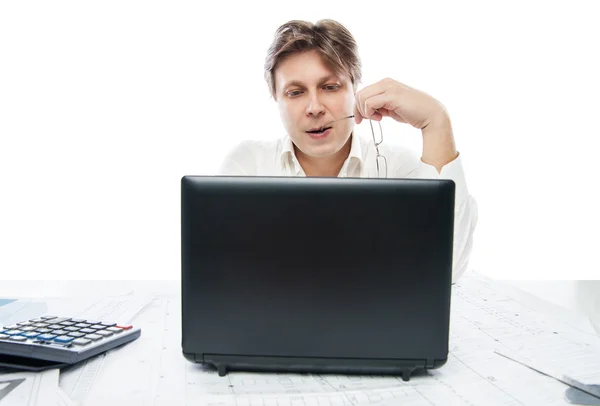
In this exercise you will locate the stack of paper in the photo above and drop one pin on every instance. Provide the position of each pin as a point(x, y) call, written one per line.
point(490, 330)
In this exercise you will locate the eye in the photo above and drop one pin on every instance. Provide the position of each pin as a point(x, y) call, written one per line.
point(293, 93)
point(332, 87)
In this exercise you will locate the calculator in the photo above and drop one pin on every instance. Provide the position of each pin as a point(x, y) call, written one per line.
point(54, 342)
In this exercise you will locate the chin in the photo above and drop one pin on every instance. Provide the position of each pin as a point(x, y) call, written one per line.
point(324, 150)
point(319, 148)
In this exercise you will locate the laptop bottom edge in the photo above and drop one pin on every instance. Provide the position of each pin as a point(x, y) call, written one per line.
point(401, 367)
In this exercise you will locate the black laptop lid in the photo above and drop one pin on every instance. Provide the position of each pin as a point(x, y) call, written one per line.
point(316, 267)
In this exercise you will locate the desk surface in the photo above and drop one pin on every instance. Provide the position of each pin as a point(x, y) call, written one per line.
point(486, 315)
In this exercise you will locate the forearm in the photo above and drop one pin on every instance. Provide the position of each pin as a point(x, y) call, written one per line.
point(438, 142)
point(465, 222)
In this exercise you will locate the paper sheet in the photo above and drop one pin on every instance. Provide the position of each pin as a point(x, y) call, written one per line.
point(483, 320)
point(29, 388)
point(19, 310)
point(76, 381)
point(62, 399)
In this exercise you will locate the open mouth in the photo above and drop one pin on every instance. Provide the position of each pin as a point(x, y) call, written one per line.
point(318, 131)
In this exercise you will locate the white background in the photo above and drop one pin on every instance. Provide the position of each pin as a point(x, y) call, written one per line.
point(104, 106)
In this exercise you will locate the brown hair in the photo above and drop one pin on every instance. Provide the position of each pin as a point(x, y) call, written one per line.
point(330, 39)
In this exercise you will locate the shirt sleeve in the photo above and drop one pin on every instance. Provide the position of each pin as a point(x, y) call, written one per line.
point(465, 210)
point(240, 161)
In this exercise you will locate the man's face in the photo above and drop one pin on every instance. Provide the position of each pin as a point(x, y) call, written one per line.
point(310, 95)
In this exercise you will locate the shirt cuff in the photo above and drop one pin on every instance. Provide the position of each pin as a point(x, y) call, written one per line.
point(454, 171)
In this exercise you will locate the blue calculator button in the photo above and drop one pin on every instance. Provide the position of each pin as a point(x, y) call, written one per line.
point(46, 337)
point(31, 334)
point(13, 332)
point(63, 339)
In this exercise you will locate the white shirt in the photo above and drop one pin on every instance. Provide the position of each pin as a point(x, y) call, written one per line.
point(277, 158)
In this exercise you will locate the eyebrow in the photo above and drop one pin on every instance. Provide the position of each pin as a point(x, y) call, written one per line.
point(321, 81)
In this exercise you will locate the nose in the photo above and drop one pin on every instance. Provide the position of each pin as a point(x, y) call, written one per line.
point(315, 107)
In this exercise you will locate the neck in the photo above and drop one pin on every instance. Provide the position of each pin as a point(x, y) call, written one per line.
point(329, 166)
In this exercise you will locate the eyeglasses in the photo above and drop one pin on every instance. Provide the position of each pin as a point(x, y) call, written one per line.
point(379, 159)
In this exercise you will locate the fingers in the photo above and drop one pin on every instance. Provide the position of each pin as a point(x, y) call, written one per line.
point(372, 104)
point(377, 101)
point(376, 115)
point(363, 95)
point(357, 116)
point(373, 108)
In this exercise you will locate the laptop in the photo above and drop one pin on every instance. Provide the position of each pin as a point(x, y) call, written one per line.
point(316, 275)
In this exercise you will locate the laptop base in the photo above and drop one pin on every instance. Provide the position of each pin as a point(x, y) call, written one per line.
point(402, 367)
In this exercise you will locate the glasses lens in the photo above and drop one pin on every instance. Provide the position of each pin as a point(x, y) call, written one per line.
point(377, 132)
point(381, 166)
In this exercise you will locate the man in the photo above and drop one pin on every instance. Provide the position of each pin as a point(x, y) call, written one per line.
point(313, 71)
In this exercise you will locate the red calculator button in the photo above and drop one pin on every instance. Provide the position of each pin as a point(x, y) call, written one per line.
point(125, 327)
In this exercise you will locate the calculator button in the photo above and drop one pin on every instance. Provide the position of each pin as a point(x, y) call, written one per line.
point(18, 338)
point(39, 325)
point(108, 324)
point(92, 322)
point(93, 337)
point(125, 327)
point(55, 326)
point(27, 329)
point(30, 334)
point(76, 335)
point(39, 320)
point(71, 329)
point(14, 327)
point(78, 320)
point(57, 320)
point(45, 337)
point(81, 341)
point(98, 327)
point(67, 323)
point(104, 333)
point(59, 332)
point(4, 336)
point(47, 317)
point(13, 332)
point(24, 323)
point(115, 329)
point(87, 330)
point(43, 330)
point(82, 325)
point(63, 339)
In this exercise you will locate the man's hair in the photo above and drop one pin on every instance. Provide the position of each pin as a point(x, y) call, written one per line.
point(334, 43)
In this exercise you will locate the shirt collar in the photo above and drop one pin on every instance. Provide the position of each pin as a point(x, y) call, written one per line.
point(288, 155)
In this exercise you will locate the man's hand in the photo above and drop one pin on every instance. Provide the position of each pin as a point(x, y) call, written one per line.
point(390, 98)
